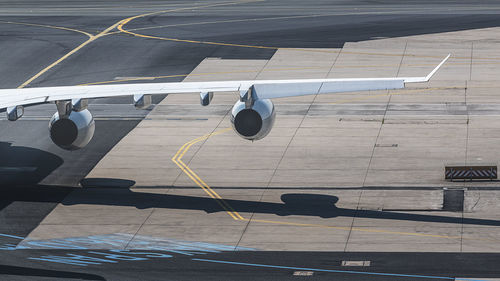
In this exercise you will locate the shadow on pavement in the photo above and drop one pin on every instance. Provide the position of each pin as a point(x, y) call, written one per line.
point(24, 165)
point(26, 271)
point(314, 205)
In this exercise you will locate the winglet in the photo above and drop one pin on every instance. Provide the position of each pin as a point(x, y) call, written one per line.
point(429, 76)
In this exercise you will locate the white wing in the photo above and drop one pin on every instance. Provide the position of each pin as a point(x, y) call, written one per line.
point(265, 89)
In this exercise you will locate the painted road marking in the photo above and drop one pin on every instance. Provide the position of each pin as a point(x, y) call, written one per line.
point(11, 236)
point(126, 79)
point(144, 248)
point(130, 31)
point(177, 159)
point(122, 23)
point(48, 26)
point(92, 38)
point(148, 78)
point(332, 270)
point(120, 26)
point(236, 216)
point(126, 21)
point(127, 241)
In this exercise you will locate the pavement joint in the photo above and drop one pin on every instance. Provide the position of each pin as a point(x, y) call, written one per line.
point(236, 216)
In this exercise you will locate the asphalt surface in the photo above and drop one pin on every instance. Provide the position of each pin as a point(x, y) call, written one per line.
point(36, 175)
point(245, 265)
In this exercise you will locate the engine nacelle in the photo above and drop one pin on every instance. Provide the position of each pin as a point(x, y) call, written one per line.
point(73, 132)
point(255, 122)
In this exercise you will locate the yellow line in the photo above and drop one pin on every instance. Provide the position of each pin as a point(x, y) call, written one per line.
point(91, 39)
point(120, 23)
point(177, 159)
point(250, 71)
point(130, 31)
point(120, 27)
point(357, 229)
point(27, 82)
point(207, 188)
point(219, 201)
point(126, 21)
point(195, 74)
point(292, 49)
point(47, 26)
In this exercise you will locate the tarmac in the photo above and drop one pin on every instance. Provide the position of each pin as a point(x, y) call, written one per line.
point(346, 185)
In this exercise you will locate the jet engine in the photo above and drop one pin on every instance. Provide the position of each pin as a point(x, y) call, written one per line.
point(72, 132)
point(253, 121)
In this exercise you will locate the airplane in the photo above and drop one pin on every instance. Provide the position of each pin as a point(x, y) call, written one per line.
point(252, 117)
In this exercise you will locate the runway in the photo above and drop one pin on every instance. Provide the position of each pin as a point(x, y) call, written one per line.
point(283, 208)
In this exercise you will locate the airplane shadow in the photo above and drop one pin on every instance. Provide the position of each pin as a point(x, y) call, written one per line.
point(24, 165)
point(21, 169)
point(293, 204)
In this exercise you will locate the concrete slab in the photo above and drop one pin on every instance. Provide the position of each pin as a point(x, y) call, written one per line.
point(359, 171)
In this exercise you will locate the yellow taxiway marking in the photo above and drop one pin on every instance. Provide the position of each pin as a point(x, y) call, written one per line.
point(131, 32)
point(253, 71)
point(108, 30)
point(128, 31)
point(47, 26)
point(194, 74)
point(126, 21)
point(356, 229)
point(91, 39)
point(177, 159)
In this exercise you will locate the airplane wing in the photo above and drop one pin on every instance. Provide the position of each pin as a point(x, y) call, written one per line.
point(262, 89)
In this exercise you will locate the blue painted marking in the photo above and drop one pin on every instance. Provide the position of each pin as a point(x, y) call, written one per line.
point(54, 245)
point(12, 236)
point(332, 270)
point(8, 247)
point(73, 259)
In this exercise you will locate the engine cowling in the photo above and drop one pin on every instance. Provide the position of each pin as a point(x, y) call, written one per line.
point(73, 132)
point(255, 122)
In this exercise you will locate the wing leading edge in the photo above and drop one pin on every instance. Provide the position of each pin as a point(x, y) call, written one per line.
point(265, 89)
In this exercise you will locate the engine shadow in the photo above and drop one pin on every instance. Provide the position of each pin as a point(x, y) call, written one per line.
point(106, 182)
point(314, 205)
point(21, 165)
